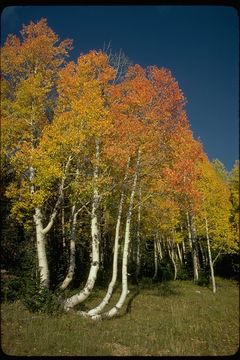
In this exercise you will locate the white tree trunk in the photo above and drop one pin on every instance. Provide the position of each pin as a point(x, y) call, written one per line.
point(41, 232)
point(155, 259)
point(179, 254)
point(159, 247)
point(41, 250)
point(86, 291)
point(72, 260)
point(111, 285)
point(210, 259)
point(114, 310)
point(138, 255)
point(193, 250)
point(171, 255)
point(184, 252)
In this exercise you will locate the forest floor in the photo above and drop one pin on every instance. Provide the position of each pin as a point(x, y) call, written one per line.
point(172, 318)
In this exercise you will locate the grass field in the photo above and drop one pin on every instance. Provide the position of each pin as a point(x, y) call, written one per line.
point(173, 318)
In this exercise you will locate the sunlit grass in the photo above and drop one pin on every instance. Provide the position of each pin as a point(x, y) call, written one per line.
point(174, 318)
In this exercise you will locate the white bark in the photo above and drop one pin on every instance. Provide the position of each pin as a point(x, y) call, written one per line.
point(155, 259)
point(63, 224)
point(171, 255)
point(179, 254)
point(71, 268)
point(193, 249)
point(184, 252)
point(114, 310)
point(41, 250)
point(138, 258)
point(41, 232)
point(210, 258)
point(86, 291)
point(111, 285)
point(159, 247)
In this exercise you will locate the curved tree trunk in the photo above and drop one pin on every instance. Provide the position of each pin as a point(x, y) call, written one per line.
point(111, 285)
point(86, 291)
point(71, 268)
point(41, 232)
point(114, 310)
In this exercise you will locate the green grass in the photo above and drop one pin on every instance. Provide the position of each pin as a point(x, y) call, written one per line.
point(174, 318)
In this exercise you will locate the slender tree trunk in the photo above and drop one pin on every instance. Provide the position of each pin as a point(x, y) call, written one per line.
point(72, 260)
point(159, 247)
point(86, 291)
point(155, 259)
point(138, 255)
point(63, 225)
point(184, 252)
point(193, 249)
point(171, 255)
point(203, 255)
point(113, 311)
point(210, 258)
point(179, 254)
point(111, 285)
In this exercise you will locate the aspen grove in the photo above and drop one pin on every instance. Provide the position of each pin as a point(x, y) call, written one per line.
point(102, 176)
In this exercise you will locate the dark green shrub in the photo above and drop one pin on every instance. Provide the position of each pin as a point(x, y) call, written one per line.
point(204, 277)
point(11, 289)
point(183, 273)
point(42, 300)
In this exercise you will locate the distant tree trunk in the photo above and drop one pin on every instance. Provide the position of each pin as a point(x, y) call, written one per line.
point(114, 310)
point(155, 259)
point(179, 254)
point(171, 255)
point(159, 246)
point(184, 252)
point(210, 258)
point(203, 255)
point(86, 291)
point(63, 225)
point(192, 243)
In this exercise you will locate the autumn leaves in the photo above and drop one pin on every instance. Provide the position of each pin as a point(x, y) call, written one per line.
point(76, 139)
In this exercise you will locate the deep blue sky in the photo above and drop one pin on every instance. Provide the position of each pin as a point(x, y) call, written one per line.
point(199, 44)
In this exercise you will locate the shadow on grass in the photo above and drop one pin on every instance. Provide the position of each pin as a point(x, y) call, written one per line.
point(165, 288)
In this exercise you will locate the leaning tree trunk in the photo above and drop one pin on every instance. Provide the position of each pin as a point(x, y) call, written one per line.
point(72, 259)
point(86, 291)
point(111, 285)
point(113, 311)
point(41, 231)
point(179, 254)
point(210, 258)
